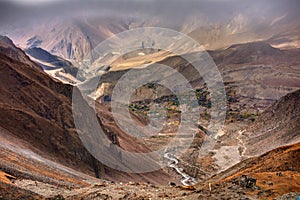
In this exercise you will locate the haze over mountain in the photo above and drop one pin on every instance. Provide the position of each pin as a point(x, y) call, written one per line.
point(72, 30)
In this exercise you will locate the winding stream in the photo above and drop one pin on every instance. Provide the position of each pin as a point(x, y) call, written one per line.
point(187, 180)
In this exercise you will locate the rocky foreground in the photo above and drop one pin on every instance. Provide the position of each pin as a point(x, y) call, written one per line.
point(254, 178)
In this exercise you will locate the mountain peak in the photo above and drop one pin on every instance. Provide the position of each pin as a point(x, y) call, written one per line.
point(8, 48)
point(6, 42)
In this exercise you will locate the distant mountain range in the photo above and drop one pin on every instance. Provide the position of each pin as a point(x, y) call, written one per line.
point(75, 37)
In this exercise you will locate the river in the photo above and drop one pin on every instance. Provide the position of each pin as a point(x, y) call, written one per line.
point(186, 180)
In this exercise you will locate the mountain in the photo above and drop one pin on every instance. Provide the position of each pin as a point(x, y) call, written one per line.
point(53, 65)
point(70, 39)
point(10, 50)
point(22, 89)
point(73, 34)
point(277, 126)
point(74, 39)
point(260, 52)
point(51, 116)
point(45, 57)
point(36, 112)
point(257, 72)
point(253, 52)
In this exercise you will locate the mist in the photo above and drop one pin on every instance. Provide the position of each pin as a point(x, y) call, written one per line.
point(171, 12)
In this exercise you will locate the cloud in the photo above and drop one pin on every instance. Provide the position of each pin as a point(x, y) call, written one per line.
point(170, 11)
point(34, 1)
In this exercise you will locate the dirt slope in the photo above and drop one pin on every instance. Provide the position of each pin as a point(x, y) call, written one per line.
point(276, 172)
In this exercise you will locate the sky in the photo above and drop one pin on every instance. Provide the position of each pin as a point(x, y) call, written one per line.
point(25, 11)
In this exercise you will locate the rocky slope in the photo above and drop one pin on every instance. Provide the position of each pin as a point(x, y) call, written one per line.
point(276, 173)
point(37, 109)
point(9, 49)
point(28, 100)
point(53, 65)
point(254, 178)
point(277, 126)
